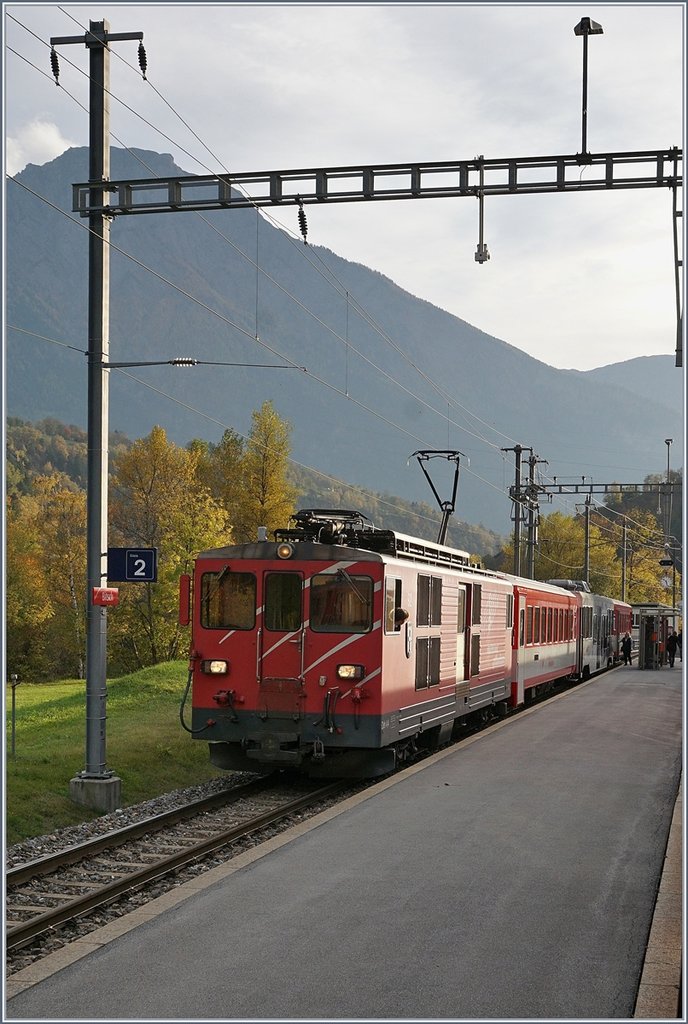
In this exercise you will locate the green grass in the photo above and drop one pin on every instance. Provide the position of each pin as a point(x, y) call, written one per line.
point(146, 746)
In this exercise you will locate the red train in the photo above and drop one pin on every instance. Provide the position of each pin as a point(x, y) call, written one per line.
point(340, 649)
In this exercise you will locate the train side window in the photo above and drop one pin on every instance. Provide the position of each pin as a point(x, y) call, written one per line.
point(529, 634)
point(509, 611)
point(283, 601)
point(392, 602)
point(537, 625)
point(550, 635)
point(228, 600)
point(522, 628)
point(475, 655)
point(476, 615)
point(429, 603)
point(423, 601)
point(427, 662)
point(461, 614)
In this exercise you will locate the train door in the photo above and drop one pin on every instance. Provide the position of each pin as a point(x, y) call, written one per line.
point(461, 667)
point(472, 633)
point(518, 664)
point(281, 633)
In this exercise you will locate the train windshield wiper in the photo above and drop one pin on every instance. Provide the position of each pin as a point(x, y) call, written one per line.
point(343, 574)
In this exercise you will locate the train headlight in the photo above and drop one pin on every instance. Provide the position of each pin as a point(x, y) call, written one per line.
point(215, 668)
point(285, 550)
point(350, 671)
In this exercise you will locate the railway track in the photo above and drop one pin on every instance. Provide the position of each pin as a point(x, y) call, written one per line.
point(53, 891)
point(56, 898)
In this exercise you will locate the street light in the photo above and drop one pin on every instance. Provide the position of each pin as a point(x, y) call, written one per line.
point(14, 683)
point(668, 441)
point(586, 27)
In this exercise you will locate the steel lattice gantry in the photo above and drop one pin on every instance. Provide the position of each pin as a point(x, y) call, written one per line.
point(442, 179)
point(479, 178)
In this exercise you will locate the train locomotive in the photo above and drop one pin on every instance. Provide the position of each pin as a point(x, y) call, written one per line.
point(338, 649)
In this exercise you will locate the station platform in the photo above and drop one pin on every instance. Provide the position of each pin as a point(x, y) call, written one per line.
point(531, 872)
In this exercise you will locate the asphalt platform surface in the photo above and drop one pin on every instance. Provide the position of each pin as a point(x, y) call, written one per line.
point(513, 877)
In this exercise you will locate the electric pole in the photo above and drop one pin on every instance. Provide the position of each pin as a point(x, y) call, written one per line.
point(533, 491)
point(97, 786)
point(515, 493)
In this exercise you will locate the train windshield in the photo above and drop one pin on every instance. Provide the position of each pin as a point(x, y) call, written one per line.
point(341, 603)
point(283, 601)
point(228, 600)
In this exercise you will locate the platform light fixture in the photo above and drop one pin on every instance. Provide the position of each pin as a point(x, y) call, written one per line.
point(586, 27)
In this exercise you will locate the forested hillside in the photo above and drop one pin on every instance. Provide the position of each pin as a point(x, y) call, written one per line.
point(39, 449)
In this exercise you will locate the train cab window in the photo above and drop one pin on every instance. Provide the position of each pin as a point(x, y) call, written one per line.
point(429, 601)
point(341, 603)
point(282, 601)
point(509, 611)
point(228, 600)
point(392, 603)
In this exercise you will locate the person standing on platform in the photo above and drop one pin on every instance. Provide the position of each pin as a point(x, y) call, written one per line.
point(671, 645)
point(626, 649)
point(679, 641)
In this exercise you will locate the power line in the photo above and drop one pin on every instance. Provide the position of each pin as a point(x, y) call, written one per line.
point(442, 392)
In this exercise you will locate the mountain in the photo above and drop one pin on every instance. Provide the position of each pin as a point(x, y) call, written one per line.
point(655, 377)
point(385, 371)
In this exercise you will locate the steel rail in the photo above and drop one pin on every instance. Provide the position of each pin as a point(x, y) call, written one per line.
point(111, 840)
point(20, 934)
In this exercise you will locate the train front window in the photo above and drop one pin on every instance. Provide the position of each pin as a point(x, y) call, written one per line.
point(228, 600)
point(283, 601)
point(341, 603)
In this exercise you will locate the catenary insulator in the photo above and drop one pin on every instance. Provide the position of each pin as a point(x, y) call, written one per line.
point(303, 223)
point(143, 63)
point(55, 65)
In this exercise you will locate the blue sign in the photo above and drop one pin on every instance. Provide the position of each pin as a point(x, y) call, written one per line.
point(132, 565)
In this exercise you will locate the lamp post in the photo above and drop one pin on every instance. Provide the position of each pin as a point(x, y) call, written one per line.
point(586, 27)
point(14, 683)
point(668, 441)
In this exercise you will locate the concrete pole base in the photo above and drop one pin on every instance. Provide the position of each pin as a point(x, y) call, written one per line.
point(99, 794)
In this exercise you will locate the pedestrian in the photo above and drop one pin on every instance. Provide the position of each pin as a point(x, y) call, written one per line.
point(626, 649)
point(679, 642)
point(671, 645)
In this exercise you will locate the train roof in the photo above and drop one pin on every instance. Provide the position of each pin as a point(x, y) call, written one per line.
point(337, 533)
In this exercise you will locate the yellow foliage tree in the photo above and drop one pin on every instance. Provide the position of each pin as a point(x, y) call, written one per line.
point(266, 497)
point(157, 501)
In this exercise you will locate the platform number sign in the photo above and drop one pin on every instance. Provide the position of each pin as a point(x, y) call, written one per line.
point(132, 565)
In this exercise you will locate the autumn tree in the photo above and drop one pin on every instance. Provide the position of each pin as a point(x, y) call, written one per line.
point(219, 469)
point(266, 497)
point(27, 592)
point(62, 507)
point(157, 501)
point(46, 574)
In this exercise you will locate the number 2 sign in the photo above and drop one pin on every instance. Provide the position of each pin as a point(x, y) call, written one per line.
point(132, 565)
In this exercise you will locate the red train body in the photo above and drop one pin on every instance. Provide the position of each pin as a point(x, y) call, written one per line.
point(339, 649)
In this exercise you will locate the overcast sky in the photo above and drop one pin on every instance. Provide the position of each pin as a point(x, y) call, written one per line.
point(576, 280)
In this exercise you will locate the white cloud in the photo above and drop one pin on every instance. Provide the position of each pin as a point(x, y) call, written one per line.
point(35, 143)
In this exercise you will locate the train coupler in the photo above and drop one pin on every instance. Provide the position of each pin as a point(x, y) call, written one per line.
point(318, 750)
